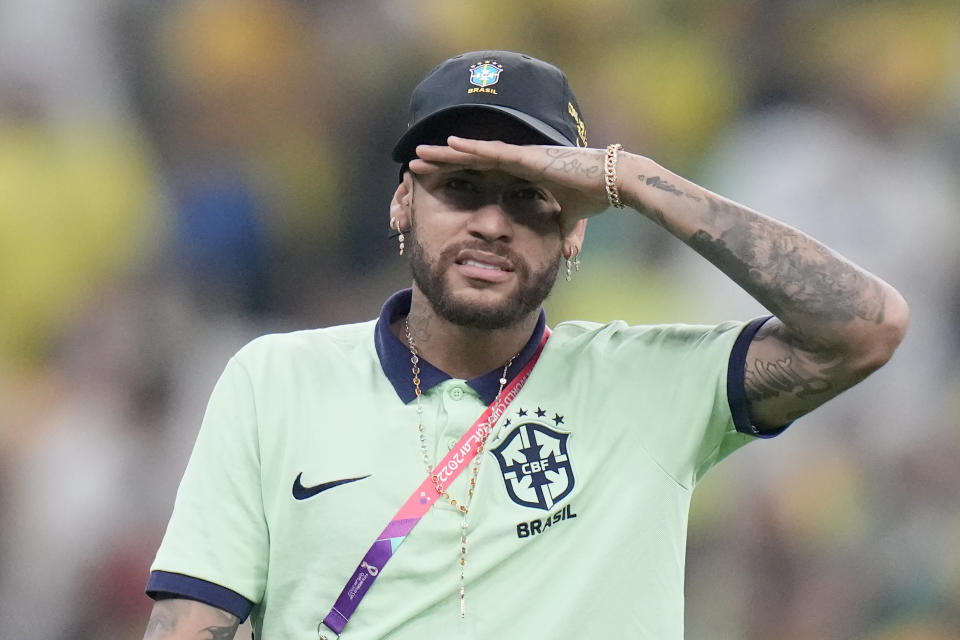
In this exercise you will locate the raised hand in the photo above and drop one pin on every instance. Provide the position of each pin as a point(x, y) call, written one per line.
point(574, 175)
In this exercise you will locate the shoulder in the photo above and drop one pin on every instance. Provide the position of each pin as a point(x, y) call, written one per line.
point(618, 334)
point(348, 341)
point(656, 351)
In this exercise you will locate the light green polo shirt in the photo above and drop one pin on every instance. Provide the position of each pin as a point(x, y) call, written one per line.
point(578, 523)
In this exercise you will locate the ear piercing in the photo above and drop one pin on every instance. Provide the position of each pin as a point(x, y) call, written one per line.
point(573, 263)
point(395, 224)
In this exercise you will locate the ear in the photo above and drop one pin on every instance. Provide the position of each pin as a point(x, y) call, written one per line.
point(573, 241)
point(400, 203)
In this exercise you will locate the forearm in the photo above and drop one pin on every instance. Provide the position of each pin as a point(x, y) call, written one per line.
point(835, 322)
point(821, 298)
point(179, 619)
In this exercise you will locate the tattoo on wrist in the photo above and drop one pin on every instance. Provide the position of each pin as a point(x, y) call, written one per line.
point(658, 183)
point(657, 216)
point(567, 161)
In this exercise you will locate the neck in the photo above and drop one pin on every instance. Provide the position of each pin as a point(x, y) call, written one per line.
point(462, 352)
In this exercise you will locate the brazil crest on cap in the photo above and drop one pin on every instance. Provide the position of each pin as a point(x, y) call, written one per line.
point(486, 73)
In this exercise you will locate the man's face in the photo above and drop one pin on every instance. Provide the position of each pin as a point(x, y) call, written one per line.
point(484, 245)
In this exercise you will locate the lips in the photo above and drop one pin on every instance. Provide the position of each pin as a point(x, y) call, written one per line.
point(483, 260)
point(484, 266)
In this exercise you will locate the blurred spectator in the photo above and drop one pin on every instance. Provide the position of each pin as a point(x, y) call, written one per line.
point(176, 178)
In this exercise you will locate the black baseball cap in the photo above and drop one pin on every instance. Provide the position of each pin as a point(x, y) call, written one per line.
point(531, 97)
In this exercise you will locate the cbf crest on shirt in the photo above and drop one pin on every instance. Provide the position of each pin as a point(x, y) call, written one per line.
point(534, 461)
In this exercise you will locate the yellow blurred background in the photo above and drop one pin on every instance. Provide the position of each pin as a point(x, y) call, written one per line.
point(179, 177)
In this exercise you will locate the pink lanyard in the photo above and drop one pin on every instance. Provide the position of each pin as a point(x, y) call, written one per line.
point(447, 470)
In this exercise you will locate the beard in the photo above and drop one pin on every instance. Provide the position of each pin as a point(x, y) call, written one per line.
point(429, 276)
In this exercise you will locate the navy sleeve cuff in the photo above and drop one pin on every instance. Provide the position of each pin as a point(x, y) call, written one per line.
point(164, 584)
point(736, 379)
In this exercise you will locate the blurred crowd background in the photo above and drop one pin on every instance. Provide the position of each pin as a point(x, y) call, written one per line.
point(178, 177)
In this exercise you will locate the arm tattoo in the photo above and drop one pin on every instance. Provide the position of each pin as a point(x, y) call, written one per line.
point(162, 621)
point(221, 633)
point(658, 183)
point(786, 270)
point(177, 615)
point(658, 217)
point(770, 379)
point(566, 161)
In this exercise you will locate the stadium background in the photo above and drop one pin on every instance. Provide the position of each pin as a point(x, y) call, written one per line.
point(178, 177)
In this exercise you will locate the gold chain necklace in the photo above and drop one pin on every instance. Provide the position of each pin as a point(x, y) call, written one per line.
point(464, 507)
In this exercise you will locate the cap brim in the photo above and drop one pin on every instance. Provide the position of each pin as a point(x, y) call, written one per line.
point(405, 149)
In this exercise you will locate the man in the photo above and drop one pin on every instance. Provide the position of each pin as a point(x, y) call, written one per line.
point(571, 519)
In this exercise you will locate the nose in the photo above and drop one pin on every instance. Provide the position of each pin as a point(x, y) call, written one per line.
point(491, 223)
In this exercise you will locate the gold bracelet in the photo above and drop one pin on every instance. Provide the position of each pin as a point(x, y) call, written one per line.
point(610, 176)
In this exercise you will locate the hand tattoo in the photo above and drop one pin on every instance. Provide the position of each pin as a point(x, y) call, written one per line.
point(567, 161)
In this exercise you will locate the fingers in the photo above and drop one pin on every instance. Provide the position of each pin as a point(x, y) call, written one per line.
point(475, 154)
point(433, 158)
point(491, 149)
point(438, 163)
point(422, 167)
point(447, 155)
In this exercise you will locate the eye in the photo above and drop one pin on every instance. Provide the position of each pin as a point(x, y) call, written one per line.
point(459, 184)
point(528, 193)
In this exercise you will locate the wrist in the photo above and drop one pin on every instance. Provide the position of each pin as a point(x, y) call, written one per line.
point(632, 169)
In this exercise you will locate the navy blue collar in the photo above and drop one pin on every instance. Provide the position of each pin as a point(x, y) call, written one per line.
point(395, 357)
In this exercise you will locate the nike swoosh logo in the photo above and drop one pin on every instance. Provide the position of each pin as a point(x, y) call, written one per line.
point(301, 492)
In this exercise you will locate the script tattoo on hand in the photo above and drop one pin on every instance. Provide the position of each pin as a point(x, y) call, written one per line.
point(568, 161)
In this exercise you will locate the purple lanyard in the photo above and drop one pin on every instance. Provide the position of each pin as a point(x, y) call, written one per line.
point(417, 505)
